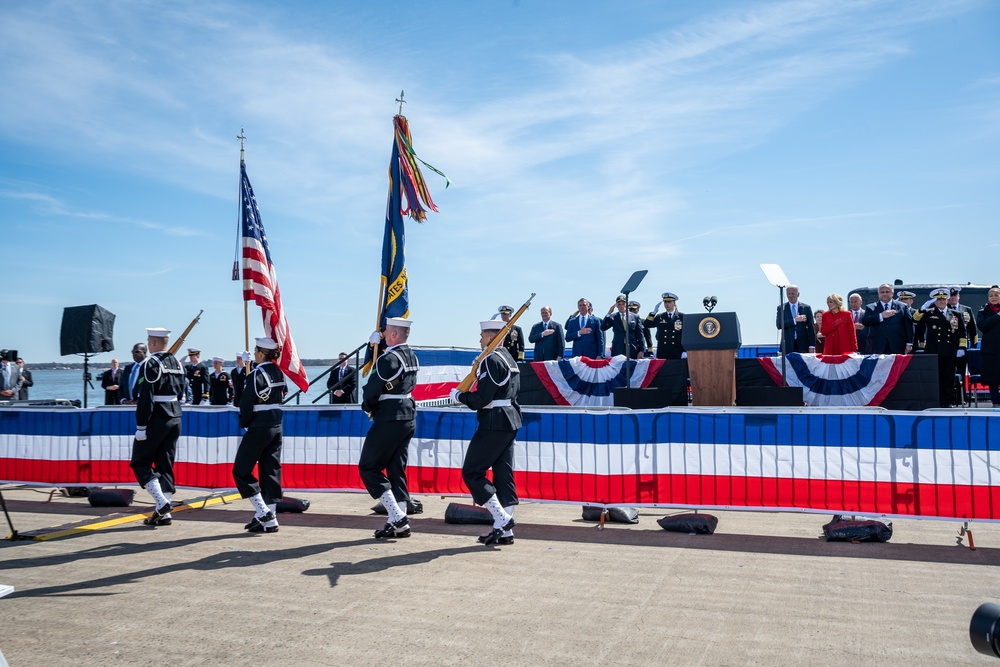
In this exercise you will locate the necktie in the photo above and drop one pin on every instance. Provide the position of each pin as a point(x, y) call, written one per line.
point(6, 377)
point(855, 316)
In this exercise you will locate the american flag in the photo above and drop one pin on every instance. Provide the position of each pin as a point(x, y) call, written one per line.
point(260, 284)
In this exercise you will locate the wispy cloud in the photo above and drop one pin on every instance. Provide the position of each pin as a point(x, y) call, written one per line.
point(48, 205)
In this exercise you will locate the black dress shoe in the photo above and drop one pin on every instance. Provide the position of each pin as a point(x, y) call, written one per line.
point(260, 528)
point(510, 524)
point(493, 537)
point(157, 514)
point(502, 540)
point(254, 522)
point(164, 521)
point(398, 529)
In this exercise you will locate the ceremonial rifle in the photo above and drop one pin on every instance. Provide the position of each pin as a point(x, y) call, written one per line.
point(180, 340)
point(466, 384)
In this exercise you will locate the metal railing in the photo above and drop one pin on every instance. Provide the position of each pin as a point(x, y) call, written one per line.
point(355, 354)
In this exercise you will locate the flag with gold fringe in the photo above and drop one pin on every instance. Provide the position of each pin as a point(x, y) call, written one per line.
point(405, 182)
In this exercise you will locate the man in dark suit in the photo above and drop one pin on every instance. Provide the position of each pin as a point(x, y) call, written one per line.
point(10, 379)
point(583, 329)
point(889, 323)
point(110, 380)
point(795, 319)
point(128, 390)
point(347, 392)
point(618, 322)
point(26, 381)
point(547, 336)
point(633, 307)
point(857, 310)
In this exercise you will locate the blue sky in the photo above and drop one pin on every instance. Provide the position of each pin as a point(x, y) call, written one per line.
point(849, 142)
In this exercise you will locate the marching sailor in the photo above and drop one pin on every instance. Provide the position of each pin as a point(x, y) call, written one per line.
point(260, 415)
point(492, 445)
point(387, 398)
point(158, 424)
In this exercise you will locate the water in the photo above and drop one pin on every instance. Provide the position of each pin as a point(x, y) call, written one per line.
point(68, 384)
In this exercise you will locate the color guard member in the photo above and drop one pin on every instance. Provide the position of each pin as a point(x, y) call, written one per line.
point(260, 415)
point(388, 399)
point(492, 445)
point(158, 424)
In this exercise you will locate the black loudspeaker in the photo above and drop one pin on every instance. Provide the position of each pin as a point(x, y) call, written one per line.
point(87, 330)
point(769, 396)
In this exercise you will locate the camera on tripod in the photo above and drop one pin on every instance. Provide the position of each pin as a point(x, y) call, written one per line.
point(8, 355)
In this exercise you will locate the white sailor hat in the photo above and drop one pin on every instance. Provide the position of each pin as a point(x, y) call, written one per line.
point(669, 296)
point(955, 289)
point(939, 293)
point(491, 325)
point(398, 322)
point(157, 332)
point(266, 343)
point(193, 350)
point(219, 359)
point(505, 309)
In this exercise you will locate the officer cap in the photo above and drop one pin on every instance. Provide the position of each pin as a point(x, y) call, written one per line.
point(266, 343)
point(491, 325)
point(939, 293)
point(906, 295)
point(633, 304)
point(398, 322)
point(157, 332)
point(955, 289)
point(669, 296)
point(193, 350)
point(505, 309)
point(620, 299)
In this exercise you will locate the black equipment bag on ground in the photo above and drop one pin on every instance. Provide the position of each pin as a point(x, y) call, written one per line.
point(292, 505)
point(699, 524)
point(110, 497)
point(467, 514)
point(857, 531)
point(615, 514)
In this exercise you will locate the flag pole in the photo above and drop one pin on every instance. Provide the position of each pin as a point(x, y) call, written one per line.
point(239, 241)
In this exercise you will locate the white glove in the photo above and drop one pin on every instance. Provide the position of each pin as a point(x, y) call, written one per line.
point(245, 357)
point(375, 338)
point(140, 433)
point(960, 353)
point(453, 394)
point(684, 355)
point(657, 308)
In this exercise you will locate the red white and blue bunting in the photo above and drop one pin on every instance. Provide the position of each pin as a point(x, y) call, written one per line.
point(591, 382)
point(839, 380)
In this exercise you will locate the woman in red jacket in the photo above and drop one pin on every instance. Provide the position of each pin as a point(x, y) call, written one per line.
point(838, 328)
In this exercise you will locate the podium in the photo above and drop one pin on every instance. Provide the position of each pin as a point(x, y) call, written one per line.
point(711, 341)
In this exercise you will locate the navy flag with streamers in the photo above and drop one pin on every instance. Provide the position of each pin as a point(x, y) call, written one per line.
point(406, 180)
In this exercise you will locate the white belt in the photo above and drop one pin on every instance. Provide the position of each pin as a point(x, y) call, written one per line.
point(393, 397)
point(164, 399)
point(497, 403)
point(266, 406)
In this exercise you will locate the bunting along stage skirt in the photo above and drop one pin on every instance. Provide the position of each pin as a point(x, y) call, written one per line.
point(926, 464)
point(587, 382)
point(839, 380)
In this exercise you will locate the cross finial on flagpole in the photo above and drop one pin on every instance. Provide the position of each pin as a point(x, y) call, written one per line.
point(401, 102)
point(243, 139)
